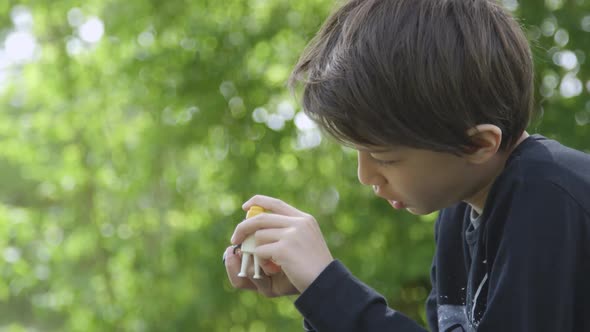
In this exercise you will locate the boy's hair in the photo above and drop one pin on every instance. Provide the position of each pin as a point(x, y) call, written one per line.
point(418, 73)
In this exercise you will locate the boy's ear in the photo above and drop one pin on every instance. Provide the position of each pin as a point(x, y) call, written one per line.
point(486, 139)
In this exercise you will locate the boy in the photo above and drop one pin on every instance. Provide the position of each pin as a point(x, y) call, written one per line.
point(435, 95)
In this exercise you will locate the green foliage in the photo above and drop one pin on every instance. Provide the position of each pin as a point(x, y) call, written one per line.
point(125, 157)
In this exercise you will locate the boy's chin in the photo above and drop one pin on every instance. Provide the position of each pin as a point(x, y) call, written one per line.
point(419, 211)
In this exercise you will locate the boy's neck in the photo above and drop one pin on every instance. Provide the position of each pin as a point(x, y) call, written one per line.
point(478, 200)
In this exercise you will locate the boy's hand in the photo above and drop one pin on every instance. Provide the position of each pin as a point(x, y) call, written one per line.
point(288, 237)
point(273, 283)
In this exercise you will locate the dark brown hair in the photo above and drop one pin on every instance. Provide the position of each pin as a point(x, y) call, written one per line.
point(418, 73)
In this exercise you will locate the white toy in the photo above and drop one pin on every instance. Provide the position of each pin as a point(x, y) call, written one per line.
point(248, 247)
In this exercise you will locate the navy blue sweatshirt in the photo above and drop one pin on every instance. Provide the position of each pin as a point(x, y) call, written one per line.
point(525, 268)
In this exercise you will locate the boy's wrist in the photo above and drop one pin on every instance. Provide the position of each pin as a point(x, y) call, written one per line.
point(320, 281)
point(312, 275)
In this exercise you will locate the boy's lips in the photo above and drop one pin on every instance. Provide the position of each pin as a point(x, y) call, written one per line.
point(397, 204)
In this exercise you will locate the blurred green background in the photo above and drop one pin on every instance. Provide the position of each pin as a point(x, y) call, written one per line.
point(131, 131)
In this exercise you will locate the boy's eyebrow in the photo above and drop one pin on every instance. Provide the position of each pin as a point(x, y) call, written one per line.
point(376, 150)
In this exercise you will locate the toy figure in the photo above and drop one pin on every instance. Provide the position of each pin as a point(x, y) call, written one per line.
point(248, 247)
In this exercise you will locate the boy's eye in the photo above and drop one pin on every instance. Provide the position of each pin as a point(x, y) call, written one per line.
point(385, 162)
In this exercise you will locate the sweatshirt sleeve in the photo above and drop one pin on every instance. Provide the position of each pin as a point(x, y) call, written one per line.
point(337, 301)
point(538, 262)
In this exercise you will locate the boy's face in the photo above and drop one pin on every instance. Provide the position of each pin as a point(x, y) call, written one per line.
point(421, 181)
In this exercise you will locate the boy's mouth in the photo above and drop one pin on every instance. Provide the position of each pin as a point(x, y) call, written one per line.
point(396, 204)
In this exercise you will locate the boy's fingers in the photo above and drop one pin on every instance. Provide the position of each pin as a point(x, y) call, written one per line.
point(233, 263)
point(268, 235)
point(269, 267)
point(264, 284)
point(267, 251)
point(273, 204)
point(261, 221)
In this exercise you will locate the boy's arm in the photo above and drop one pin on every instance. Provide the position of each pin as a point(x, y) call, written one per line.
point(337, 301)
point(332, 299)
point(387, 318)
point(536, 273)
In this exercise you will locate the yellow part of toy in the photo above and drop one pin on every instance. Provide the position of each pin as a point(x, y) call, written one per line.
point(254, 210)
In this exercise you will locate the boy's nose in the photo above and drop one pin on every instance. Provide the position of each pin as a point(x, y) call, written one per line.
point(366, 172)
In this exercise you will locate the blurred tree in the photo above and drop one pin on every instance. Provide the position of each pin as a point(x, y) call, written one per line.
point(132, 131)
